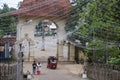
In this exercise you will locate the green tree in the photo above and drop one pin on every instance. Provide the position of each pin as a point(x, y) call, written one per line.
point(7, 23)
point(97, 20)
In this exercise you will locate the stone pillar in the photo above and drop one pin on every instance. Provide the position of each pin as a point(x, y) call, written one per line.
point(60, 51)
point(31, 57)
point(16, 50)
point(61, 36)
point(71, 52)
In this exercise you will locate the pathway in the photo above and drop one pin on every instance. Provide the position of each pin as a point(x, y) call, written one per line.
point(63, 72)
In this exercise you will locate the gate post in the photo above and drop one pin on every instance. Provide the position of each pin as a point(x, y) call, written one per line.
point(71, 56)
point(60, 51)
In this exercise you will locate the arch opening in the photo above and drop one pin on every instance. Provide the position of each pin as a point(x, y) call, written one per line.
point(45, 39)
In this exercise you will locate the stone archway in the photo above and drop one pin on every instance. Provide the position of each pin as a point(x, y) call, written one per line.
point(55, 10)
point(60, 38)
point(61, 34)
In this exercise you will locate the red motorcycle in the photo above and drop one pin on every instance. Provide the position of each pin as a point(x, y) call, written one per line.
point(52, 62)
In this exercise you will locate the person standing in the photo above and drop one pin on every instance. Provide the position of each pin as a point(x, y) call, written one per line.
point(34, 65)
point(38, 68)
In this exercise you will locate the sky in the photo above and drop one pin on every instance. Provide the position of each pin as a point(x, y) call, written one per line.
point(11, 3)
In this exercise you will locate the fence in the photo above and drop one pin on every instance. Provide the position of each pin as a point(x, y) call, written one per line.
point(8, 71)
point(11, 69)
point(103, 72)
point(10, 64)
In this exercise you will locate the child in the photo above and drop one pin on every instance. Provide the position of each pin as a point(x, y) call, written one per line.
point(29, 76)
point(38, 68)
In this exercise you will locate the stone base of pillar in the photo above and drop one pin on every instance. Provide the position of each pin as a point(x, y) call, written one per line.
point(31, 58)
point(60, 58)
point(71, 58)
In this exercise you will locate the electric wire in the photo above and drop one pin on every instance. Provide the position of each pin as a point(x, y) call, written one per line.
point(29, 8)
point(34, 8)
point(56, 12)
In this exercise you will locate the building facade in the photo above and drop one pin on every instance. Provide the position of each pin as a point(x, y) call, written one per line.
point(31, 13)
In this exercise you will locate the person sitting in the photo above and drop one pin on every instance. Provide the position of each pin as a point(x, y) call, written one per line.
point(29, 76)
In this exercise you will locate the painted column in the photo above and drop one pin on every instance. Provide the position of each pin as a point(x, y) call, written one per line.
point(31, 52)
point(20, 25)
point(71, 52)
point(60, 51)
point(61, 36)
point(18, 32)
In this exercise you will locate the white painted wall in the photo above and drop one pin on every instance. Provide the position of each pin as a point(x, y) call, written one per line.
point(29, 28)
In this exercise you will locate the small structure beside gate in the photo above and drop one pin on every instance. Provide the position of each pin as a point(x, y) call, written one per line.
point(8, 60)
point(7, 48)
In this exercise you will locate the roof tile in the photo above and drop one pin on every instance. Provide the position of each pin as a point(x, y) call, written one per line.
point(44, 8)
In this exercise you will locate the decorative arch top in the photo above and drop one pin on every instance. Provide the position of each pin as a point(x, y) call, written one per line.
point(44, 8)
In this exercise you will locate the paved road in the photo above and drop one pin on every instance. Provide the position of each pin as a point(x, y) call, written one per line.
point(61, 73)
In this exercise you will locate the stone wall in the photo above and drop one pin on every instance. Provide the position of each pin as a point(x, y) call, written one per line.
point(29, 28)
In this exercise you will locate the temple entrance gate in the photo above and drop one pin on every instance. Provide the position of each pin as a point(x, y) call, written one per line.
point(55, 11)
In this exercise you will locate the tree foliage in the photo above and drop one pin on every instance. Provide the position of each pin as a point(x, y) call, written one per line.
point(98, 23)
point(7, 23)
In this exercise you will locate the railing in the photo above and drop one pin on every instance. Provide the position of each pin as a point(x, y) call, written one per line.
point(103, 72)
point(11, 68)
point(8, 71)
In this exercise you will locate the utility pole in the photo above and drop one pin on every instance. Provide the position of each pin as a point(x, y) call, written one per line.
point(29, 51)
point(44, 25)
point(43, 38)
